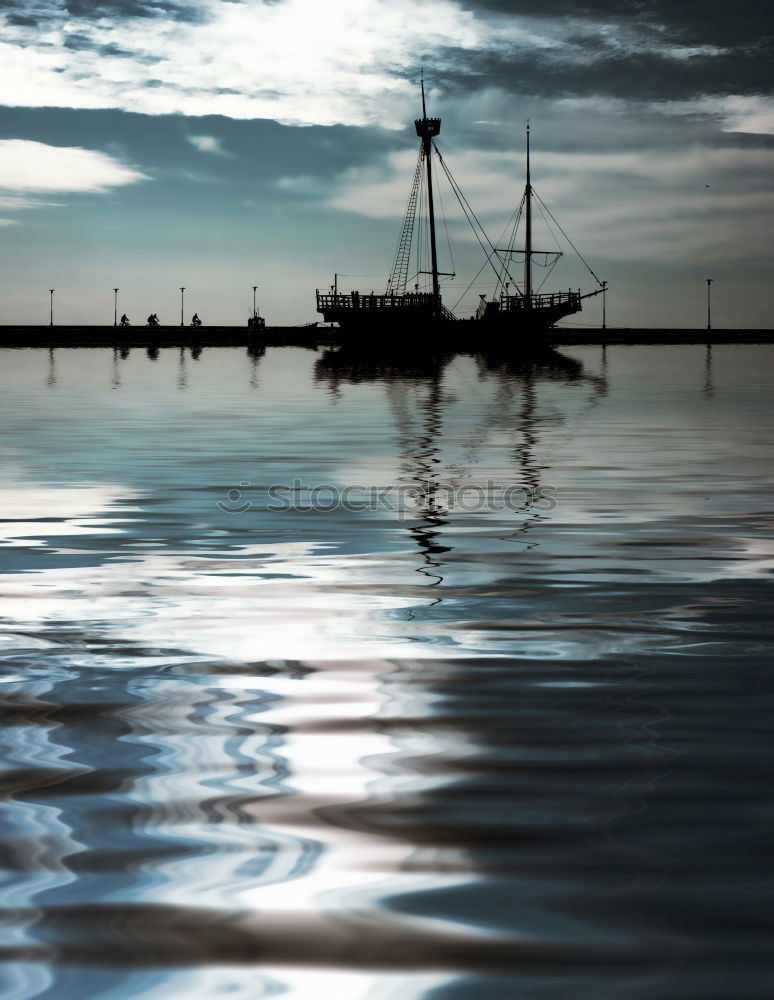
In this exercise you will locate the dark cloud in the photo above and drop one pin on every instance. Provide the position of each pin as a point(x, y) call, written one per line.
point(260, 151)
point(21, 20)
point(131, 8)
point(642, 76)
point(697, 22)
point(647, 67)
point(23, 13)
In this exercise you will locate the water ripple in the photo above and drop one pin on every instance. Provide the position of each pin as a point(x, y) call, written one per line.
point(453, 754)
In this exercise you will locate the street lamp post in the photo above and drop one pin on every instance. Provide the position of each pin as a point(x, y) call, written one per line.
point(182, 299)
point(604, 305)
point(709, 303)
point(51, 312)
point(254, 291)
point(115, 307)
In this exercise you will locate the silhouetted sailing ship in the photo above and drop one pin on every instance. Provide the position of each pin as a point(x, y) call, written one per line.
point(398, 310)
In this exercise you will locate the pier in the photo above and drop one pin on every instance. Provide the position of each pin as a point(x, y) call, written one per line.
point(460, 336)
point(161, 336)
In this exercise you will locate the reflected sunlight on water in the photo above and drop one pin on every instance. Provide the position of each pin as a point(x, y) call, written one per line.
point(375, 753)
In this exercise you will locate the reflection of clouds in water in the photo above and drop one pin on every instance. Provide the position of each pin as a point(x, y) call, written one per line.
point(291, 871)
point(302, 600)
point(213, 606)
point(30, 512)
point(241, 776)
point(153, 602)
point(291, 983)
point(236, 603)
point(748, 559)
point(38, 843)
point(295, 828)
point(24, 980)
point(220, 792)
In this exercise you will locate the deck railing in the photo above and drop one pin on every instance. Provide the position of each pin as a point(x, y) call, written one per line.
point(511, 303)
point(424, 301)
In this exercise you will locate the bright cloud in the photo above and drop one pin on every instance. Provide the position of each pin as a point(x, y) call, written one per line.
point(207, 144)
point(297, 61)
point(628, 205)
point(34, 166)
point(31, 168)
point(300, 61)
point(493, 181)
point(751, 113)
point(747, 114)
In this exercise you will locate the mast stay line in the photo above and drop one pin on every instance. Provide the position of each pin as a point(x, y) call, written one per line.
point(577, 251)
point(469, 214)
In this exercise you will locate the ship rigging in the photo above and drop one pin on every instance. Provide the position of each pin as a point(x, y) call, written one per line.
point(529, 308)
point(397, 304)
point(403, 308)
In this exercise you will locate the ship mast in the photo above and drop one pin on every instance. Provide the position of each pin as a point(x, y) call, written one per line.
point(427, 129)
point(528, 238)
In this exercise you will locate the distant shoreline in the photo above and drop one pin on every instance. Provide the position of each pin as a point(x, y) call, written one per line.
point(19, 336)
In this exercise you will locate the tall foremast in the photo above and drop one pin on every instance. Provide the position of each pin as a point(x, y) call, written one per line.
point(427, 129)
point(528, 229)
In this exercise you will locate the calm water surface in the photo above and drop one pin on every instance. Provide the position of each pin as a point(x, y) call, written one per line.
point(450, 751)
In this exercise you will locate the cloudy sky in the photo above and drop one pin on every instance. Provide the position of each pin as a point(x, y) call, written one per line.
point(217, 144)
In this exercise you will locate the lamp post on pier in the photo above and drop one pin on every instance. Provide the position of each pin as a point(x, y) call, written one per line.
point(255, 287)
point(604, 305)
point(51, 311)
point(115, 307)
point(182, 300)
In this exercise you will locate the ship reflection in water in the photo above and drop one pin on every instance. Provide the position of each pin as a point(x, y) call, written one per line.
point(438, 746)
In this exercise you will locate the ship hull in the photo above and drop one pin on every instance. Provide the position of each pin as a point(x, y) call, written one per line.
point(531, 319)
point(425, 340)
point(533, 313)
point(408, 311)
point(417, 333)
point(383, 319)
point(418, 323)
